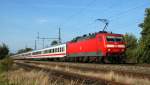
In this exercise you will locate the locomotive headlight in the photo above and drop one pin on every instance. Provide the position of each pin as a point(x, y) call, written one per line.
point(109, 50)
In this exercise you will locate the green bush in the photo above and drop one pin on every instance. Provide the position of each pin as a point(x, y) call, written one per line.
point(131, 44)
point(6, 64)
point(4, 51)
point(144, 45)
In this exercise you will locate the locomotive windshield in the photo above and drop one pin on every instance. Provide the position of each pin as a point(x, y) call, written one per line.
point(114, 39)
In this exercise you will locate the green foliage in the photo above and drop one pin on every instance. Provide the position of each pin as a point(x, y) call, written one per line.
point(24, 50)
point(4, 50)
point(131, 44)
point(131, 40)
point(144, 48)
point(6, 64)
point(3, 80)
point(54, 42)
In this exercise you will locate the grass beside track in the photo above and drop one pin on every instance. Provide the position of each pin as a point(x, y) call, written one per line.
point(84, 79)
point(33, 77)
point(112, 76)
point(18, 76)
point(5, 66)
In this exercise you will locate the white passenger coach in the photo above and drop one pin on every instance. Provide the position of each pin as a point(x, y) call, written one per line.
point(50, 52)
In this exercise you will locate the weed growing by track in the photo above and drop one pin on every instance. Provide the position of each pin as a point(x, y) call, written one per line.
point(110, 76)
point(11, 74)
point(23, 77)
point(5, 66)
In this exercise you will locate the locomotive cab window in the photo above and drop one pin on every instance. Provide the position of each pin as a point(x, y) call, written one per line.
point(110, 39)
point(114, 39)
point(119, 39)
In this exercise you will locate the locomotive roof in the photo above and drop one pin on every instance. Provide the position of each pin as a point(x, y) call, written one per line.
point(91, 35)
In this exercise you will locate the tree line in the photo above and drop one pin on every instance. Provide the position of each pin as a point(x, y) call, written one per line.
point(138, 51)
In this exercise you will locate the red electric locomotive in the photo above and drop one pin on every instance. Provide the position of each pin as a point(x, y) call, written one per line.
point(99, 47)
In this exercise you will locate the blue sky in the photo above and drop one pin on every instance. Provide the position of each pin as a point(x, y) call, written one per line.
point(20, 20)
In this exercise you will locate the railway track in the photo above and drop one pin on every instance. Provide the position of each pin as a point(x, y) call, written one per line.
point(123, 70)
point(139, 70)
point(71, 76)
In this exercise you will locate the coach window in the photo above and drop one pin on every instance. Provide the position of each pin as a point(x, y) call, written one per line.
point(49, 50)
point(45, 51)
point(38, 52)
point(59, 49)
point(56, 49)
point(53, 51)
point(62, 49)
